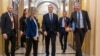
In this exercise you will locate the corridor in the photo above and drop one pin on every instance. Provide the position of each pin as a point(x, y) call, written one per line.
point(91, 45)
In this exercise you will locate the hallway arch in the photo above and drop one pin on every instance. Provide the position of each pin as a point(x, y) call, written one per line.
point(39, 5)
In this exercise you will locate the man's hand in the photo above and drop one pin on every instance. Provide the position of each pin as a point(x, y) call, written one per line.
point(35, 38)
point(5, 36)
point(68, 29)
point(45, 33)
point(21, 33)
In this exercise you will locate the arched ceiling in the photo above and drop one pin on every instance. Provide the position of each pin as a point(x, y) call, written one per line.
point(37, 3)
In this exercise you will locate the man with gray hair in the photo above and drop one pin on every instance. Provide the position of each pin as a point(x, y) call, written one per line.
point(50, 28)
point(82, 24)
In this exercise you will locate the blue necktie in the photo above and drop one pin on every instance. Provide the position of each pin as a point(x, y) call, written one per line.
point(51, 18)
point(78, 19)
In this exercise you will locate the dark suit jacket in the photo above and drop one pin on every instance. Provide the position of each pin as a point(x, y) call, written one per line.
point(67, 22)
point(86, 20)
point(6, 24)
point(47, 25)
point(37, 23)
point(23, 24)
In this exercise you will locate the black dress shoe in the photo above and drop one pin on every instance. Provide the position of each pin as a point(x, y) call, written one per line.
point(63, 52)
point(62, 47)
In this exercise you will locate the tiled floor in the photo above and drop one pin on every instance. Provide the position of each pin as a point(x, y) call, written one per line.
point(69, 52)
point(56, 55)
point(41, 50)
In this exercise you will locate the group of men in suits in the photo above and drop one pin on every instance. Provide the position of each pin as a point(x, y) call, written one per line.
point(51, 27)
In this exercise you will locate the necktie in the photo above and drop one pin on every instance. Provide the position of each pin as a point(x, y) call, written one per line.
point(51, 18)
point(78, 19)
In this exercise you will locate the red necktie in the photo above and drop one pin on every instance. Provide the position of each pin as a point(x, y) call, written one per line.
point(65, 22)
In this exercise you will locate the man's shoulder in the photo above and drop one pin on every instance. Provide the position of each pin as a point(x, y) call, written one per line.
point(46, 14)
point(55, 14)
point(4, 13)
point(60, 17)
point(83, 10)
point(28, 18)
point(67, 17)
point(73, 13)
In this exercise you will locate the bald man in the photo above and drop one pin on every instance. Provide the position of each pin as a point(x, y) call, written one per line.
point(64, 22)
point(8, 30)
point(50, 26)
point(82, 24)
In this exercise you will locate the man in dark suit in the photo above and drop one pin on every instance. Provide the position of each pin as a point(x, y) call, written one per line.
point(8, 30)
point(50, 25)
point(82, 24)
point(63, 23)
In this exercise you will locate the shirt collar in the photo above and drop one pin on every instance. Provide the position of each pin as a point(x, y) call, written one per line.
point(50, 13)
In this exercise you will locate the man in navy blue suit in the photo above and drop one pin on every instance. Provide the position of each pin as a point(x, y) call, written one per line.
point(50, 28)
point(82, 25)
point(64, 22)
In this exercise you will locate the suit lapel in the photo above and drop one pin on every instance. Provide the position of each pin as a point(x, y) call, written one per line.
point(8, 16)
point(52, 17)
point(83, 17)
point(75, 16)
point(82, 14)
point(13, 19)
point(61, 20)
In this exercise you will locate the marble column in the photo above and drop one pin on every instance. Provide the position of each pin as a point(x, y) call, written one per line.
point(91, 8)
point(3, 9)
point(70, 36)
point(1, 39)
point(86, 44)
point(20, 13)
point(97, 29)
